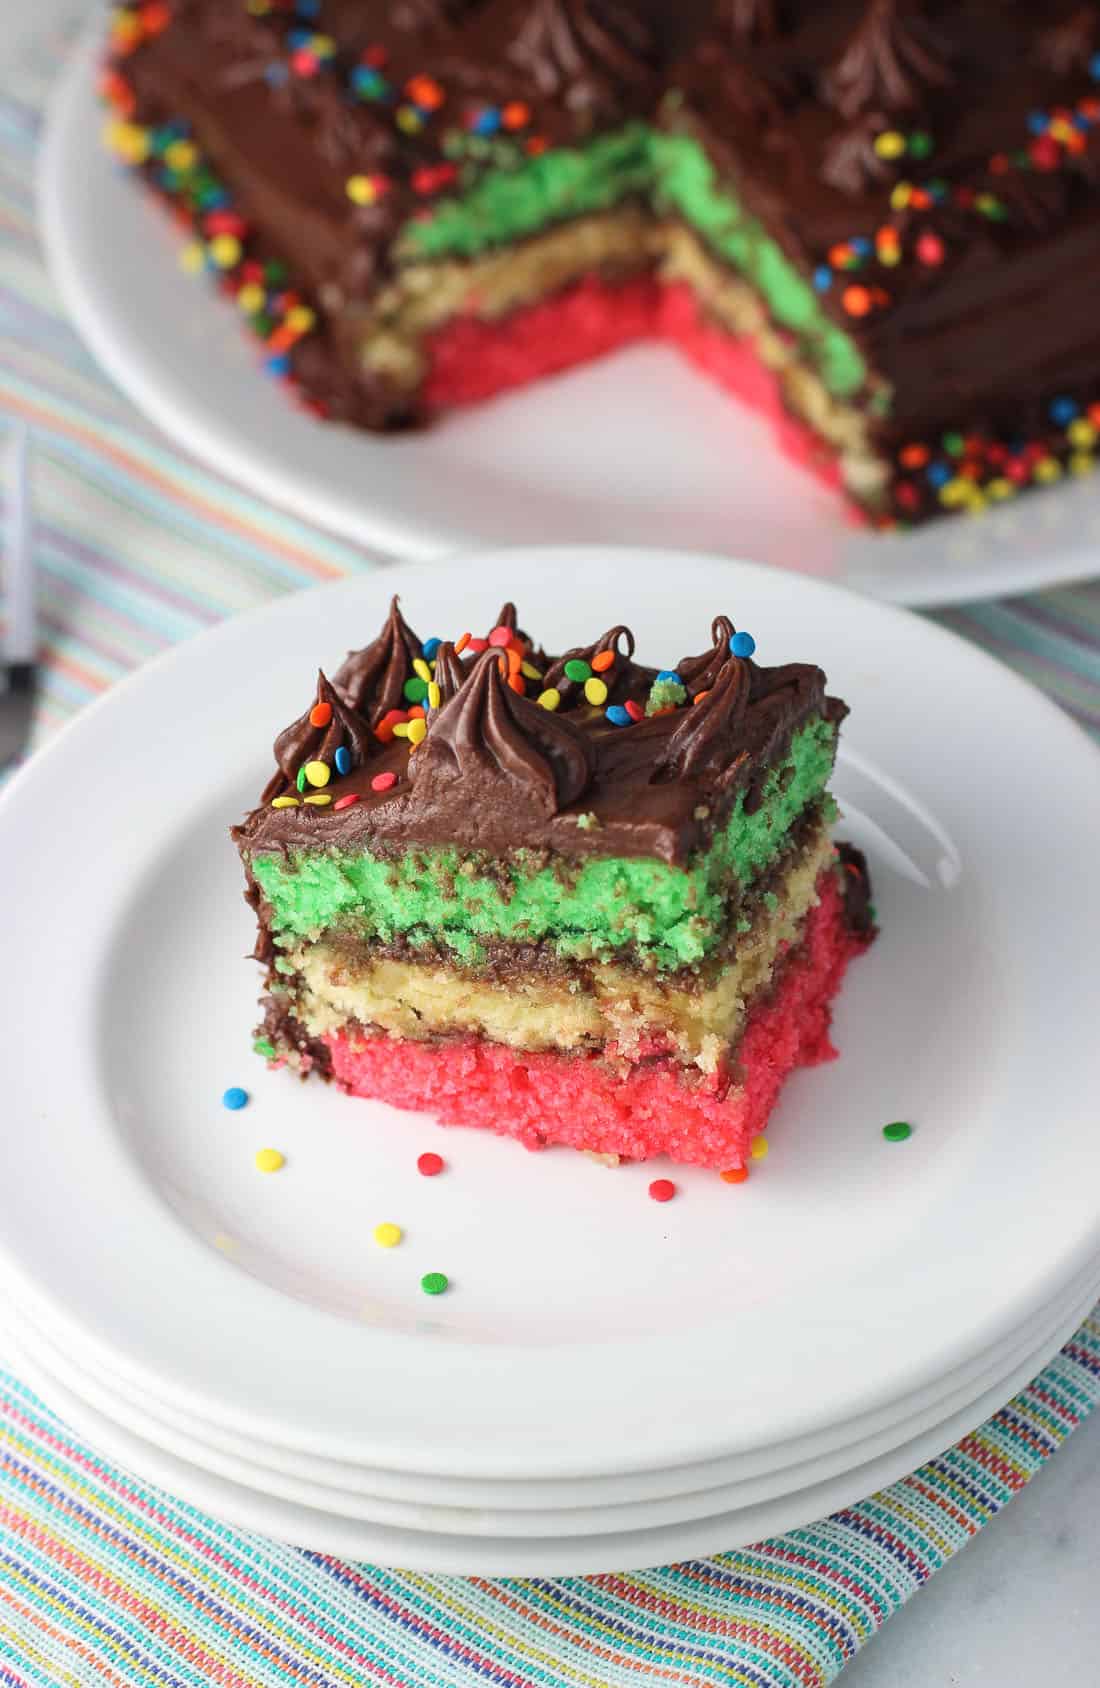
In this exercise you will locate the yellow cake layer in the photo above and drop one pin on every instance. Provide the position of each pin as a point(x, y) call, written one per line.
point(700, 1014)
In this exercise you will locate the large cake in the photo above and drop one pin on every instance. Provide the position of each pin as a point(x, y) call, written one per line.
point(570, 899)
point(878, 219)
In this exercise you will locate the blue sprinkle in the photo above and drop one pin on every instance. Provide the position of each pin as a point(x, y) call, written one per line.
point(1094, 67)
point(366, 82)
point(343, 760)
point(1080, 121)
point(823, 278)
point(1037, 122)
point(429, 648)
point(276, 75)
point(234, 1098)
point(670, 674)
point(278, 365)
point(308, 8)
point(859, 243)
point(617, 715)
point(215, 199)
point(1063, 411)
point(742, 644)
point(487, 122)
point(299, 38)
point(938, 474)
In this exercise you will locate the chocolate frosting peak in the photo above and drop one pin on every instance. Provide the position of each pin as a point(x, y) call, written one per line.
point(557, 678)
point(503, 749)
point(749, 20)
point(450, 673)
point(850, 163)
point(303, 741)
point(373, 679)
point(699, 672)
point(887, 64)
point(572, 47)
point(704, 732)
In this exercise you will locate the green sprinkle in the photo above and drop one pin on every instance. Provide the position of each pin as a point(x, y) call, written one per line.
point(897, 1131)
point(577, 669)
point(416, 689)
point(434, 1283)
point(264, 1046)
point(920, 144)
point(954, 445)
point(300, 782)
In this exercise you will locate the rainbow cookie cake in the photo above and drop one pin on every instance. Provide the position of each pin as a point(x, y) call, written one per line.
point(571, 899)
point(874, 219)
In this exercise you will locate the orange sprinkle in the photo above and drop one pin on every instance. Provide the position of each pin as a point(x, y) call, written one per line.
point(602, 661)
point(839, 255)
point(515, 114)
point(856, 301)
point(537, 144)
point(424, 91)
point(699, 696)
point(913, 456)
point(155, 17)
point(320, 715)
point(517, 683)
point(515, 661)
point(281, 340)
point(461, 642)
point(416, 713)
point(735, 1175)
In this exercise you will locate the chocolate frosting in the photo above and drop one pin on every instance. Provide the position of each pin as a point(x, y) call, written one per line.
point(576, 49)
point(373, 679)
point(704, 735)
point(497, 772)
point(700, 672)
point(303, 742)
point(617, 678)
point(887, 62)
point(490, 745)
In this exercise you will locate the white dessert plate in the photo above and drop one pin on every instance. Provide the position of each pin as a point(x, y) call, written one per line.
point(638, 448)
point(472, 1555)
point(588, 1331)
point(345, 1497)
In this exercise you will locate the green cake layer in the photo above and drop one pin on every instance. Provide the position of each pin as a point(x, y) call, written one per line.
point(666, 917)
point(676, 176)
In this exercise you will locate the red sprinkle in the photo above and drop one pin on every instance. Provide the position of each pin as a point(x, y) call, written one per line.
point(477, 645)
point(634, 710)
point(380, 782)
point(662, 1189)
point(429, 1166)
point(345, 802)
point(501, 636)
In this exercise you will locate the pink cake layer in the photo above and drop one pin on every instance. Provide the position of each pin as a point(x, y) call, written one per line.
point(656, 1107)
point(471, 359)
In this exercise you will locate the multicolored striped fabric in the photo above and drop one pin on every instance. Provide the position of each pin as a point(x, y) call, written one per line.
point(104, 1581)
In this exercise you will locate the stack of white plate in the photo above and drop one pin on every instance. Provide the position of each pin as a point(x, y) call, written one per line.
point(608, 1381)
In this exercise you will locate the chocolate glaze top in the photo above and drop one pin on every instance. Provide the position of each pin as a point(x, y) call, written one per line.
point(495, 770)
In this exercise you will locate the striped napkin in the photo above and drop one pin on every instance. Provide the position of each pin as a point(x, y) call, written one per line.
point(106, 1581)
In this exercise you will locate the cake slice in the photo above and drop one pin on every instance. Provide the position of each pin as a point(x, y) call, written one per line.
point(572, 900)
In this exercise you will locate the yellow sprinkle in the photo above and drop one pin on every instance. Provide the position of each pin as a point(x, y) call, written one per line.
point(323, 45)
point(529, 671)
point(435, 696)
point(549, 699)
point(409, 119)
point(758, 1148)
point(890, 144)
point(269, 1160)
point(181, 155)
point(128, 141)
point(1061, 131)
point(1081, 432)
point(1082, 463)
point(1048, 469)
point(976, 502)
point(284, 803)
point(401, 729)
point(319, 799)
point(251, 298)
point(417, 731)
point(318, 773)
point(193, 257)
point(225, 249)
point(125, 28)
point(1001, 487)
point(361, 190)
point(595, 690)
point(421, 669)
point(258, 8)
point(388, 1236)
point(900, 195)
point(888, 255)
point(955, 493)
point(301, 319)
